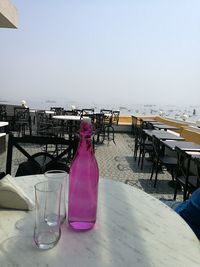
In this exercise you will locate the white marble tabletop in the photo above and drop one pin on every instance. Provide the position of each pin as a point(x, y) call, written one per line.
point(132, 229)
point(49, 112)
point(3, 123)
point(67, 117)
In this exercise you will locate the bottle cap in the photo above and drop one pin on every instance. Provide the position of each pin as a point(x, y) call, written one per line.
point(86, 127)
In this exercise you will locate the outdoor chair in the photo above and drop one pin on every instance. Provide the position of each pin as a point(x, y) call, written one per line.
point(71, 127)
point(41, 161)
point(88, 112)
point(22, 120)
point(137, 140)
point(57, 110)
point(134, 124)
point(145, 147)
point(115, 117)
point(186, 178)
point(46, 126)
point(161, 160)
point(98, 128)
point(108, 130)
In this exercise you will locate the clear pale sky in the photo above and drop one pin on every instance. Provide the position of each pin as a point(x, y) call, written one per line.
point(126, 52)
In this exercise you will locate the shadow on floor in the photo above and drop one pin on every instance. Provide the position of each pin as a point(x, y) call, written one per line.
point(134, 165)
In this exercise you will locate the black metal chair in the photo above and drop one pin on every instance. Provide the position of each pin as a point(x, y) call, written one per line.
point(137, 133)
point(186, 178)
point(22, 120)
point(98, 128)
point(88, 112)
point(108, 130)
point(134, 124)
point(145, 147)
point(160, 160)
point(41, 161)
point(46, 126)
point(58, 110)
point(115, 117)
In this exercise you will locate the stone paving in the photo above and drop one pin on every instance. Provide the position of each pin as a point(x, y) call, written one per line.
point(116, 162)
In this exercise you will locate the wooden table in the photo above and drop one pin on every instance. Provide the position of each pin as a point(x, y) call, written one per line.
point(132, 229)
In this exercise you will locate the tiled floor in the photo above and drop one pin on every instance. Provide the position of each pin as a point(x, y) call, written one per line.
point(116, 162)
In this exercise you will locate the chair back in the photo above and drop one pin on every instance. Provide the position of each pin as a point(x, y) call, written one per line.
point(43, 123)
point(41, 116)
point(184, 160)
point(21, 114)
point(138, 133)
point(108, 113)
point(157, 148)
point(88, 112)
point(70, 112)
point(23, 143)
point(58, 110)
point(115, 117)
point(98, 122)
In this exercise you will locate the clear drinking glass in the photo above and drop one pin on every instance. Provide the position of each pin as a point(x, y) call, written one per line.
point(47, 228)
point(61, 177)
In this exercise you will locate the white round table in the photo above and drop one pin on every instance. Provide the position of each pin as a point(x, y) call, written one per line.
point(67, 117)
point(132, 229)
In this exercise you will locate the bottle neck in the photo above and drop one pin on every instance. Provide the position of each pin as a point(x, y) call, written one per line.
point(85, 142)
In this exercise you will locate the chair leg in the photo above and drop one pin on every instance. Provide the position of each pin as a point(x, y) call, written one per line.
point(156, 176)
point(113, 134)
point(152, 171)
point(135, 152)
point(139, 158)
point(142, 161)
point(175, 190)
point(184, 193)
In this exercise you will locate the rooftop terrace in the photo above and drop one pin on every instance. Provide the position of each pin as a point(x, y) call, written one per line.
point(116, 162)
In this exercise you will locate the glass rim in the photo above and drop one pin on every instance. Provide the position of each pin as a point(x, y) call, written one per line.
point(45, 189)
point(55, 171)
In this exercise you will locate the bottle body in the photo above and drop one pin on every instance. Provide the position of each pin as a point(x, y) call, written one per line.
point(83, 187)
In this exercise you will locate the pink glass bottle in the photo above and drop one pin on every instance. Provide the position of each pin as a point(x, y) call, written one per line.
point(83, 182)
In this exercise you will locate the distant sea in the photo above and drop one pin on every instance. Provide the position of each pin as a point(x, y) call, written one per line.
point(170, 111)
